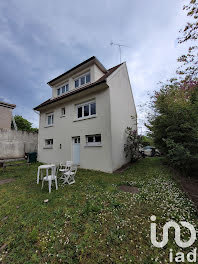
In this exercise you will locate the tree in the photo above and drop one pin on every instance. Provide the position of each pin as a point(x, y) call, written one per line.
point(190, 34)
point(174, 124)
point(24, 124)
point(146, 141)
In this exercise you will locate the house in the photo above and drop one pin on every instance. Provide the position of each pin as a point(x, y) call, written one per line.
point(6, 115)
point(86, 117)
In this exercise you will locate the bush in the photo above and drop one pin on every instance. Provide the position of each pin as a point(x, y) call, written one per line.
point(174, 124)
point(132, 145)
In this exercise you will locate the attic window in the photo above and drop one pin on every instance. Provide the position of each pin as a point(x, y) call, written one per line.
point(84, 79)
point(63, 89)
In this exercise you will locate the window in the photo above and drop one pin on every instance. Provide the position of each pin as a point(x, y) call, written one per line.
point(79, 112)
point(76, 83)
point(63, 89)
point(93, 108)
point(50, 119)
point(93, 140)
point(86, 110)
point(77, 140)
point(49, 143)
point(86, 78)
point(63, 111)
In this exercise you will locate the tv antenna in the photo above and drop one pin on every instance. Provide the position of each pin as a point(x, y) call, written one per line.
point(119, 45)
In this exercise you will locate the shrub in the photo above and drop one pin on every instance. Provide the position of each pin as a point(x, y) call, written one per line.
point(174, 124)
point(132, 145)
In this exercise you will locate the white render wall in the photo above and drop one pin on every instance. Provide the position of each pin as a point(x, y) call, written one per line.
point(97, 158)
point(122, 108)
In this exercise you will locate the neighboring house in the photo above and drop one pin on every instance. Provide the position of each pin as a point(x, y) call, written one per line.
point(6, 115)
point(86, 118)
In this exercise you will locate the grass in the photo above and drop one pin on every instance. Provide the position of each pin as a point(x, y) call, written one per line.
point(90, 221)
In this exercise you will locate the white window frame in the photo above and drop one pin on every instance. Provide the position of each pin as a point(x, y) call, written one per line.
point(60, 87)
point(94, 143)
point(62, 115)
point(79, 79)
point(82, 105)
point(47, 115)
point(50, 145)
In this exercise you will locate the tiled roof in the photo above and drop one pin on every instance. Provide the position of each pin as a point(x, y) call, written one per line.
point(93, 58)
point(7, 105)
point(80, 89)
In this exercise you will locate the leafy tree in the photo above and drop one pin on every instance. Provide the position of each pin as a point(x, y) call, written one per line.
point(23, 124)
point(190, 34)
point(174, 124)
point(146, 141)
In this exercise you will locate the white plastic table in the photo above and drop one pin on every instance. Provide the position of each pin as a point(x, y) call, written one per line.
point(44, 167)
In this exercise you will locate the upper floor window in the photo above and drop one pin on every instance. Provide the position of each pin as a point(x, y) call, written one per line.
point(63, 111)
point(86, 110)
point(86, 78)
point(63, 89)
point(50, 119)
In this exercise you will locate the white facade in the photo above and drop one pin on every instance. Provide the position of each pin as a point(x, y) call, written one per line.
point(95, 141)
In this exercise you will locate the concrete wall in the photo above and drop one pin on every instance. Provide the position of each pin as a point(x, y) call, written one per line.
point(5, 117)
point(14, 144)
point(122, 108)
point(64, 128)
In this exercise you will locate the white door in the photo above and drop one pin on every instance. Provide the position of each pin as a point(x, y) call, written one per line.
point(76, 150)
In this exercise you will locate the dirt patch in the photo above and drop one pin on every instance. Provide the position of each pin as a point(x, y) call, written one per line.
point(6, 181)
point(123, 168)
point(130, 189)
point(190, 187)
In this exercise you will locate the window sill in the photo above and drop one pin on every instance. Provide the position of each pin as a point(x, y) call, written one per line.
point(50, 147)
point(61, 94)
point(80, 86)
point(92, 146)
point(62, 116)
point(49, 126)
point(84, 118)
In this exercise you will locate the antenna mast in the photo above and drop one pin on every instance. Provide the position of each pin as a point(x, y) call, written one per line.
point(119, 46)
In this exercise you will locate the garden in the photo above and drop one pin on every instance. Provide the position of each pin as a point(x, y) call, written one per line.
point(91, 221)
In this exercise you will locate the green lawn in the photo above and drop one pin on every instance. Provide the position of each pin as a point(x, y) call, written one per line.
point(90, 221)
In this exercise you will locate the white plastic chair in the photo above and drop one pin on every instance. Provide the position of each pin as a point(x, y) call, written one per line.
point(64, 168)
point(51, 178)
point(70, 174)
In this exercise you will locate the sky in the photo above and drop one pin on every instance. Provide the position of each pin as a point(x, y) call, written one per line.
point(41, 39)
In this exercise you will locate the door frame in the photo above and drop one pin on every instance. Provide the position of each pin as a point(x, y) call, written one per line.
point(72, 153)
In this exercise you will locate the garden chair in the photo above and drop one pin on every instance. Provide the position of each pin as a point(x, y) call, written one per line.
point(50, 178)
point(70, 174)
point(64, 168)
